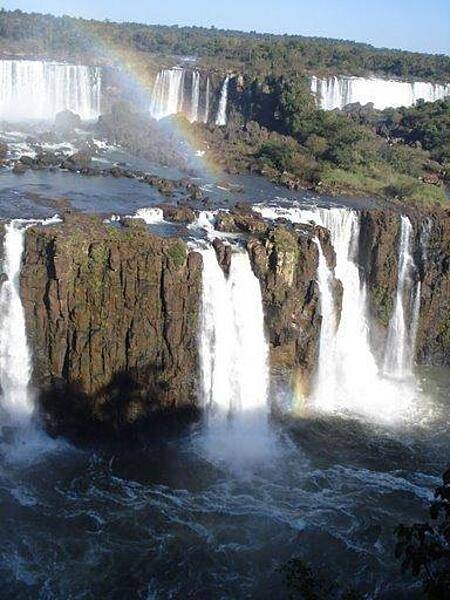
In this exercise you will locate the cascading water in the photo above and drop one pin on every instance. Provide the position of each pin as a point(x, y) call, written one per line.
point(195, 96)
point(31, 89)
point(168, 93)
point(221, 118)
point(337, 92)
point(326, 374)
point(348, 377)
point(233, 349)
point(15, 358)
point(207, 101)
point(234, 360)
point(400, 345)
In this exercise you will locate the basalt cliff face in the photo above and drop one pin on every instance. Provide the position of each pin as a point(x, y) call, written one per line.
point(112, 311)
point(112, 321)
point(379, 240)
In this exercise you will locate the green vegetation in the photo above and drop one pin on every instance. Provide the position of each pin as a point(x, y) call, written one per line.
point(177, 252)
point(277, 130)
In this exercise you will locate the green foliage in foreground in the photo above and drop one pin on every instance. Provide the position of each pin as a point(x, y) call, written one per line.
point(424, 548)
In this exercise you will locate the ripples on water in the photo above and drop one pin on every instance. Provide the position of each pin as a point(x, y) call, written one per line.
point(173, 520)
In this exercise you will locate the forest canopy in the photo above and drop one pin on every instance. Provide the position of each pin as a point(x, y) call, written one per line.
point(38, 34)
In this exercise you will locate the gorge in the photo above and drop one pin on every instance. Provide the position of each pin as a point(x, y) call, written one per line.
point(215, 361)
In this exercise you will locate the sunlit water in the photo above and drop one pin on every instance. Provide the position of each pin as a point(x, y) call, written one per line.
point(166, 520)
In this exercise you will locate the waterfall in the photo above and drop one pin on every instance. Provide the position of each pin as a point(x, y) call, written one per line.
point(207, 100)
point(15, 358)
point(400, 345)
point(234, 364)
point(31, 89)
point(337, 92)
point(348, 377)
point(221, 118)
point(233, 348)
point(195, 96)
point(168, 93)
point(326, 375)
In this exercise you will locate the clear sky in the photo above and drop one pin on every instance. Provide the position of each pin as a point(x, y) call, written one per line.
point(422, 25)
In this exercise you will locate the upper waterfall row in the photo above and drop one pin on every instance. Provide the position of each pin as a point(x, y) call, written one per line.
point(34, 89)
point(337, 92)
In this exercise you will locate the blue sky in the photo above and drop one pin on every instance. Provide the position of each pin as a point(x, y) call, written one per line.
point(408, 24)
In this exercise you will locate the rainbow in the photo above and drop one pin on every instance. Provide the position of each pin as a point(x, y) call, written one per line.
point(142, 69)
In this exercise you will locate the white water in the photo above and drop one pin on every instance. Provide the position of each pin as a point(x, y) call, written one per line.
point(337, 92)
point(15, 357)
point(168, 93)
point(221, 118)
point(170, 97)
point(195, 96)
point(207, 101)
point(348, 377)
point(31, 89)
point(400, 345)
point(326, 373)
point(233, 348)
point(234, 363)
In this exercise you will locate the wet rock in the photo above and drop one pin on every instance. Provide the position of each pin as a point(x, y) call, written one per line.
point(178, 214)
point(20, 168)
point(66, 121)
point(223, 253)
point(240, 222)
point(77, 161)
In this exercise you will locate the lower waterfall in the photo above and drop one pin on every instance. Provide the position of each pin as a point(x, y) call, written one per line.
point(15, 358)
point(234, 361)
point(348, 377)
point(401, 340)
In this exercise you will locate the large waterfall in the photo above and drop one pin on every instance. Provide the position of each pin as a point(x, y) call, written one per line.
point(234, 363)
point(31, 89)
point(15, 359)
point(221, 118)
point(233, 349)
point(337, 92)
point(400, 345)
point(348, 375)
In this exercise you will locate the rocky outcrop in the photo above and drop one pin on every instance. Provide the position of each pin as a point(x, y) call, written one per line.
point(285, 260)
point(378, 255)
point(112, 319)
point(432, 254)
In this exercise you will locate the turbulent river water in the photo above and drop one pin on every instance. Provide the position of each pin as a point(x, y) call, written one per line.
point(175, 519)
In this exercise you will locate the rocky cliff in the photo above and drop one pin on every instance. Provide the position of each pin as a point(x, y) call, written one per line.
point(379, 241)
point(112, 320)
point(112, 310)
